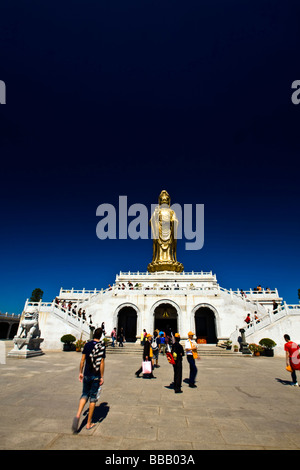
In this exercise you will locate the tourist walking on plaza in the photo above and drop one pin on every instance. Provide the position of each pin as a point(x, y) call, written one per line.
point(162, 342)
point(91, 371)
point(191, 355)
point(121, 337)
point(113, 336)
point(155, 344)
point(147, 356)
point(292, 357)
point(143, 337)
point(178, 353)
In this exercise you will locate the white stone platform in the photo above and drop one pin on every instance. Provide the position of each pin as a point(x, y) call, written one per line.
point(186, 301)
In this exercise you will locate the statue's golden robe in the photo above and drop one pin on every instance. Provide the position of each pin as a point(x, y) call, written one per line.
point(164, 231)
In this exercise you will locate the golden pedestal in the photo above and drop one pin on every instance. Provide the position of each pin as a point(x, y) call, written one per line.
point(165, 266)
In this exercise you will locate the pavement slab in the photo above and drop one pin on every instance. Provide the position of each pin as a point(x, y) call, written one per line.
point(240, 403)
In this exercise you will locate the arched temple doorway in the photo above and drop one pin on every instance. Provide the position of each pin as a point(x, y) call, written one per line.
point(205, 324)
point(127, 319)
point(165, 317)
point(8, 329)
point(4, 326)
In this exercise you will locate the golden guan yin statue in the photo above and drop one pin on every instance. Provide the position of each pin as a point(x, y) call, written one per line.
point(164, 225)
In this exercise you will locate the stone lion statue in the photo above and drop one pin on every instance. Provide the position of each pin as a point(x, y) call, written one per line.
point(30, 325)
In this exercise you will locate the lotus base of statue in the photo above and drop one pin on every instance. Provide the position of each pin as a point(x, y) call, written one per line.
point(165, 266)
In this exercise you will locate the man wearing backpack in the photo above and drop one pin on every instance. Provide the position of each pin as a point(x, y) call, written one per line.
point(155, 348)
point(91, 373)
point(162, 342)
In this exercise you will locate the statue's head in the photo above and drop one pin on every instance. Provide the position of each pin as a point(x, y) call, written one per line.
point(164, 198)
point(31, 313)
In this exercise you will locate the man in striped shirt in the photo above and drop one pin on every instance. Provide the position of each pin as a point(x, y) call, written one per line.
point(91, 373)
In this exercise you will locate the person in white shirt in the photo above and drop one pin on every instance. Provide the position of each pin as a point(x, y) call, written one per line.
point(191, 355)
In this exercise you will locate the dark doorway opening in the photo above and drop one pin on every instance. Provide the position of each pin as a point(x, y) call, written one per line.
point(205, 325)
point(127, 319)
point(4, 326)
point(165, 317)
point(14, 330)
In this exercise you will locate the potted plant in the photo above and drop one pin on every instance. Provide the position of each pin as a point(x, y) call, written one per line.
point(228, 344)
point(68, 341)
point(256, 349)
point(79, 345)
point(267, 345)
point(236, 348)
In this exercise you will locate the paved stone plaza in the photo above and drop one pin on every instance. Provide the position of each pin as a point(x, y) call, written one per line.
point(239, 403)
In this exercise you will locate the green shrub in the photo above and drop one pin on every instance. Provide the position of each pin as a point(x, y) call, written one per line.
point(68, 339)
point(267, 343)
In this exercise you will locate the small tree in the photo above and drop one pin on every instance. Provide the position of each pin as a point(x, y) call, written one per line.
point(37, 295)
point(267, 343)
point(68, 338)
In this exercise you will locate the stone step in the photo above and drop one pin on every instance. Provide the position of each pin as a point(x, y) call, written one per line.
point(126, 349)
point(203, 350)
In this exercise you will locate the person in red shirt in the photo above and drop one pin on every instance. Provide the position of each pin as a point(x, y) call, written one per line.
point(292, 357)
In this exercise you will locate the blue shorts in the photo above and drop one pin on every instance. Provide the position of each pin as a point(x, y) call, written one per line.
point(90, 387)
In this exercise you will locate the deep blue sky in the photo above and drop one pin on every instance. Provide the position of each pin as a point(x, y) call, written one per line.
point(109, 98)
